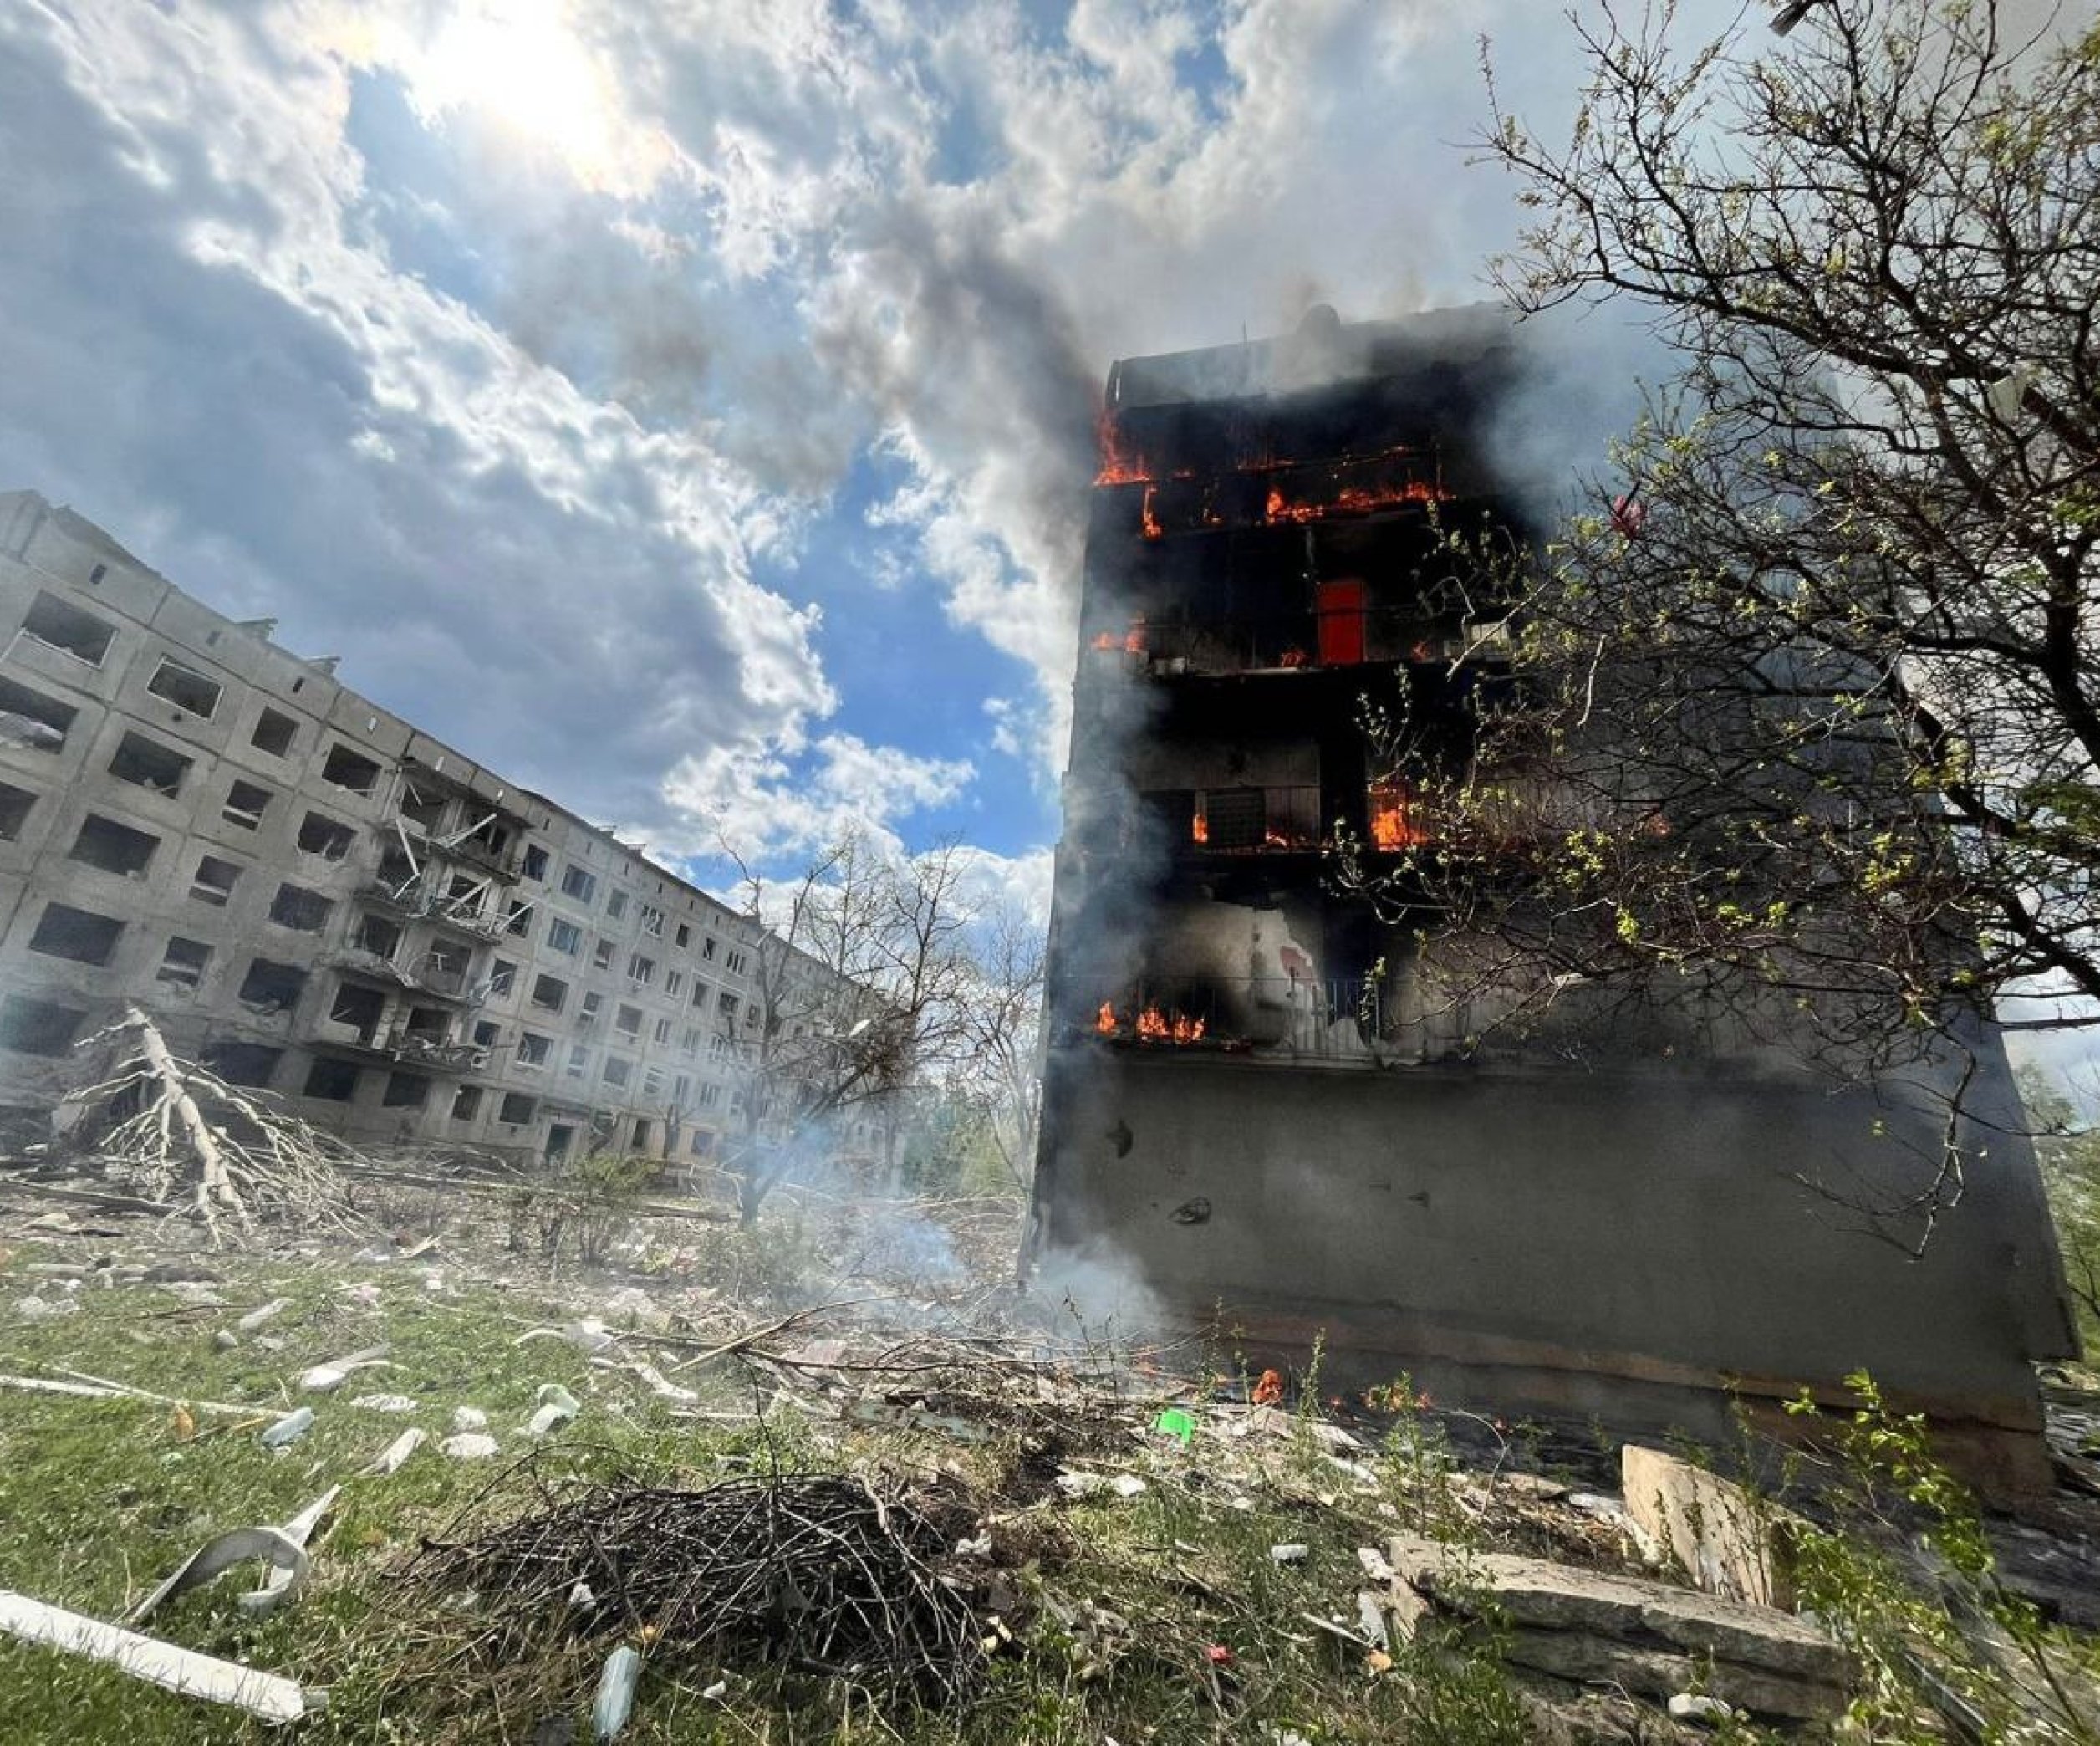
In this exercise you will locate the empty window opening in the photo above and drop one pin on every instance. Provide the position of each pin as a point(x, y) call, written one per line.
point(701, 991)
point(81, 935)
point(139, 759)
point(214, 881)
point(113, 847)
point(549, 992)
point(273, 734)
point(521, 922)
point(684, 935)
point(485, 1032)
point(628, 1021)
point(271, 987)
point(503, 978)
point(351, 770)
point(329, 838)
point(359, 1008)
point(535, 862)
point(245, 803)
point(32, 721)
point(426, 812)
point(467, 1103)
point(183, 964)
point(377, 935)
point(616, 905)
point(300, 909)
point(185, 688)
point(517, 1109)
point(406, 1091)
point(66, 628)
point(431, 1023)
point(602, 955)
point(588, 1010)
point(14, 810)
point(533, 1049)
point(707, 948)
point(38, 1026)
point(674, 983)
point(642, 1132)
point(617, 1071)
point(253, 1064)
point(334, 1081)
point(559, 1139)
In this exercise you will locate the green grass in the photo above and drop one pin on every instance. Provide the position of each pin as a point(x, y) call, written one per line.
point(1116, 1603)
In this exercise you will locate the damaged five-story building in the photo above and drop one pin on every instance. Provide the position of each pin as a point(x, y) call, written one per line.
point(1256, 1112)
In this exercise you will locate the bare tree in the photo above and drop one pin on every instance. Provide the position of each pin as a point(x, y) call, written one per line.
point(1806, 705)
point(854, 999)
point(1001, 1074)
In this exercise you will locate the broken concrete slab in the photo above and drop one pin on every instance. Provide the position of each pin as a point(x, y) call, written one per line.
point(1729, 1544)
point(1650, 1636)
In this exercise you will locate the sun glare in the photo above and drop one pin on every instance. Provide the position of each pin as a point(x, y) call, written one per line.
point(520, 66)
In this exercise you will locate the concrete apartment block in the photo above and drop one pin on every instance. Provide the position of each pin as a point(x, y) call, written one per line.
point(311, 895)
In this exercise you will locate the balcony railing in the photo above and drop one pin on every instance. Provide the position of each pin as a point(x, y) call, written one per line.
point(1293, 642)
point(426, 1049)
point(1283, 1016)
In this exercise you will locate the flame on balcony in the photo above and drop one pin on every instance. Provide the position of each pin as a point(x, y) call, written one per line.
point(1149, 1025)
point(1393, 822)
point(1353, 500)
point(1118, 466)
point(1200, 827)
point(1149, 521)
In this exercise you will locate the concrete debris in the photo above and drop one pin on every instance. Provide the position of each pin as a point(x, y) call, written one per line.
point(469, 1418)
point(469, 1445)
point(1726, 1542)
point(1649, 1637)
point(289, 1429)
point(589, 1336)
point(1290, 1553)
point(225, 1340)
point(325, 1378)
point(268, 1696)
point(268, 1312)
point(385, 1403)
point(615, 1699)
point(1692, 1707)
point(37, 1309)
point(1078, 1484)
point(662, 1386)
point(556, 1406)
point(390, 1458)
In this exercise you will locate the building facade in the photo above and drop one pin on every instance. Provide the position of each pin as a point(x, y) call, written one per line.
point(1255, 1108)
point(311, 896)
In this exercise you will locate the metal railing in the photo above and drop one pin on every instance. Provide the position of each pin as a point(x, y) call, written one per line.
point(1307, 640)
point(1294, 1017)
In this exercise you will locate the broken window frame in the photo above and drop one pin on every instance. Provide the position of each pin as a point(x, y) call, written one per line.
point(202, 891)
point(115, 832)
point(183, 962)
point(194, 693)
point(326, 838)
point(41, 711)
point(56, 609)
point(344, 762)
point(299, 909)
point(245, 802)
point(98, 934)
point(135, 756)
point(512, 1100)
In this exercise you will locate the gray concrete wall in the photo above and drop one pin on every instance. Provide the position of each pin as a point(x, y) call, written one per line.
point(1553, 1240)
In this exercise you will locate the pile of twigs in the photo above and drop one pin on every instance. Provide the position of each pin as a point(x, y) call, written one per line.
point(820, 1572)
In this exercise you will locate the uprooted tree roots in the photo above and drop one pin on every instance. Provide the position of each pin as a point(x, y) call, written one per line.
point(820, 1574)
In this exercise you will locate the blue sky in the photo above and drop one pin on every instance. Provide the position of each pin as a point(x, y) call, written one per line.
point(685, 407)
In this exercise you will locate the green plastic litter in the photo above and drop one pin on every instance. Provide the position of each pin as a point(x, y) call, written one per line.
point(1174, 1422)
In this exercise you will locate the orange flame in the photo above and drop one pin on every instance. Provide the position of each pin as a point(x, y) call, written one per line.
point(1391, 827)
point(1354, 499)
point(1153, 1026)
point(1107, 641)
point(1105, 1021)
point(1269, 1390)
point(1118, 467)
point(1151, 522)
point(1199, 829)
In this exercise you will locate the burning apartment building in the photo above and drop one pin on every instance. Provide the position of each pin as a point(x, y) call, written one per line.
point(1258, 1112)
point(313, 897)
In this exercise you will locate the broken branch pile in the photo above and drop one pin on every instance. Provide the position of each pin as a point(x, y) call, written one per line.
point(822, 1573)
